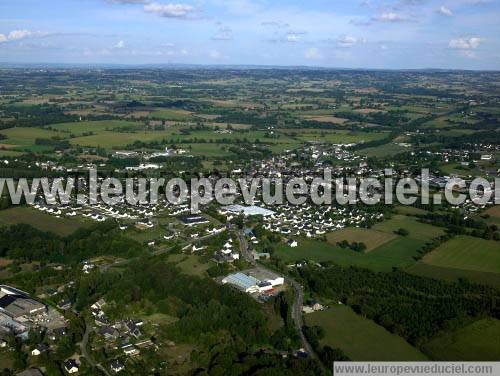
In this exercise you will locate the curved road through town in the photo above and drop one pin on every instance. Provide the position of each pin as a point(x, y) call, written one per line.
point(297, 289)
point(86, 355)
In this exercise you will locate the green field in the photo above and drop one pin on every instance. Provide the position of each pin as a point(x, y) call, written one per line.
point(387, 249)
point(24, 138)
point(171, 114)
point(398, 252)
point(371, 238)
point(360, 338)
point(190, 264)
point(452, 275)
point(417, 230)
point(40, 220)
point(479, 341)
point(340, 137)
point(383, 151)
point(78, 128)
point(467, 253)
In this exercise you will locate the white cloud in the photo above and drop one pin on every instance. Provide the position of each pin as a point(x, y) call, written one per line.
point(276, 24)
point(465, 43)
point(293, 37)
point(468, 54)
point(20, 34)
point(445, 11)
point(312, 53)
point(391, 17)
point(214, 54)
point(15, 35)
point(346, 41)
point(169, 10)
point(224, 33)
point(127, 1)
point(120, 44)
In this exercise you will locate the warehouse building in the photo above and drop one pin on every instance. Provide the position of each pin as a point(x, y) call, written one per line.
point(243, 282)
point(254, 281)
point(18, 305)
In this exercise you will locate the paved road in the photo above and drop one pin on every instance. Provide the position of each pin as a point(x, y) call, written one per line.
point(297, 289)
point(86, 355)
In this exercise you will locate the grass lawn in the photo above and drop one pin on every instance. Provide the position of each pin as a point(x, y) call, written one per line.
point(383, 150)
point(410, 210)
point(398, 252)
point(452, 275)
point(190, 264)
point(160, 319)
point(417, 230)
point(10, 153)
point(109, 139)
point(371, 238)
point(24, 138)
point(479, 341)
point(171, 114)
point(340, 137)
point(360, 338)
point(467, 253)
point(92, 126)
point(40, 220)
point(6, 359)
point(388, 250)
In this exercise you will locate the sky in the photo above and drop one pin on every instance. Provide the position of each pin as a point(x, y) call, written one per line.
point(379, 34)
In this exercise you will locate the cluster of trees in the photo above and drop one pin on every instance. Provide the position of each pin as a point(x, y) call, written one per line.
point(460, 142)
point(37, 115)
point(355, 246)
point(402, 232)
point(55, 143)
point(285, 338)
point(432, 245)
point(456, 224)
point(413, 307)
point(24, 242)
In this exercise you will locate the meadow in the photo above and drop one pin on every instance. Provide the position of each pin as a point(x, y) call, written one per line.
point(449, 274)
point(40, 220)
point(385, 249)
point(478, 341)
point(171, 114)
point(371, 238)
point(360, 338)
point(467, 253)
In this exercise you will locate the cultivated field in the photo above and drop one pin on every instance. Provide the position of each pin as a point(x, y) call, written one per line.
point(467, 253)
point(360, 338)
point(371, 238)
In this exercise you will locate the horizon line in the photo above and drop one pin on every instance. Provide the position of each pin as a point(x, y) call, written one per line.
point(226, 66)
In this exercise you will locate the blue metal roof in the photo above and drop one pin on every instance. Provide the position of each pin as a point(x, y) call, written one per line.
point(241, 280)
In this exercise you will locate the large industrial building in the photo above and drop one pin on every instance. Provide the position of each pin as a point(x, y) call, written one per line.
point(16, 310)
point(246, 210)
point(17, 304)
point(254, 281)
